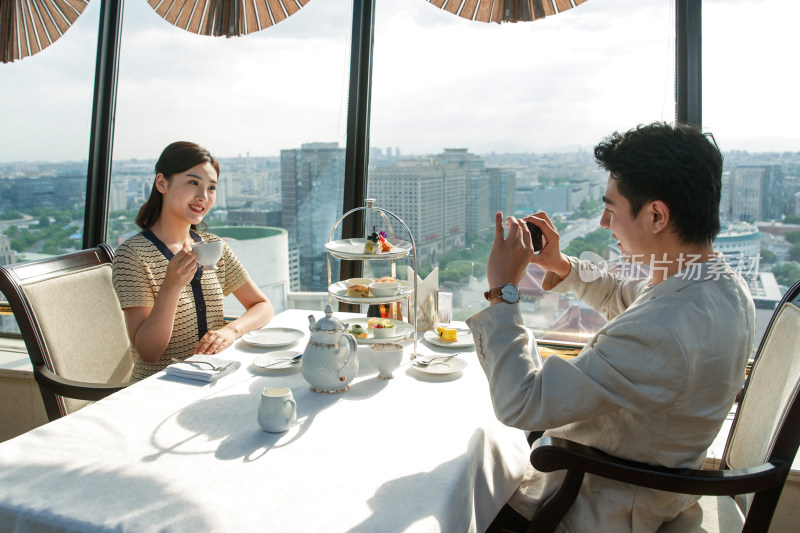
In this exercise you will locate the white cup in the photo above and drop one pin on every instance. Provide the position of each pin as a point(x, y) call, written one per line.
point(277, 411)
point(208, 253)
point(386, 358)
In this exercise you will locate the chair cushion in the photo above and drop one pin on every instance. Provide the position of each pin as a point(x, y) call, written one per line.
point(83, 327)
point(710, 514)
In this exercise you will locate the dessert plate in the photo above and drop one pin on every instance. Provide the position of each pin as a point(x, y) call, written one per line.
point(456, 364)
point(402, 330)
point(339, 291)
point(277, 360)
point(354, 249)
point(272, 337)
point(464, 340)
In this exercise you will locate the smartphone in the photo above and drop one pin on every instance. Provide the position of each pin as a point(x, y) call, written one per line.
point(536, 236)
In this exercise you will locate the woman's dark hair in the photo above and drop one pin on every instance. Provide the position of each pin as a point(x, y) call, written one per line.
point(678, 165)
point(176, 158)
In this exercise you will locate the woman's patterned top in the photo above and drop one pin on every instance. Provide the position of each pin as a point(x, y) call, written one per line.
point(139, 268)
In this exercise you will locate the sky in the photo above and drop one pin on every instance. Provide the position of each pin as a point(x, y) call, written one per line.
point(558, 84)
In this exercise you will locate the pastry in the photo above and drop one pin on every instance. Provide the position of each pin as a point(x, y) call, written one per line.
point(358, 332)
point(373, 244)
point(385, 278)
point(385, 244)
point(447, 334)
point(359, 291)
point(379, 323)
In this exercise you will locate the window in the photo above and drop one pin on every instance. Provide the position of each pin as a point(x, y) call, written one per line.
point(748, 99)
point(471, 118)
point(45, 145)
point(271, 106)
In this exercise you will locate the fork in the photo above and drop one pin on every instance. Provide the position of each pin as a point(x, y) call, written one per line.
point(442, 359)
point(215, 368)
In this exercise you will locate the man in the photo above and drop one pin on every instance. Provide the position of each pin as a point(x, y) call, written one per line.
point(655, 384)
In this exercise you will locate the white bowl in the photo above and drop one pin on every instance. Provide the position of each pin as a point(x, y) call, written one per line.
point(383, 333)
point(386, 358)
point(358, 281)
point(384, 288)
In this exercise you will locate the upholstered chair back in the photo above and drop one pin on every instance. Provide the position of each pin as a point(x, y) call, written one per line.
point(74, 329)
point(771, 390)
point(83, 328)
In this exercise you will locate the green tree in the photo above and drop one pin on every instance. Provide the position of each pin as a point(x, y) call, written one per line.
point(596, 241)
point(786, 273)
point(791, 219)
point(588, 208)
point(792, 237)
point(794, 252)
point(768, 257)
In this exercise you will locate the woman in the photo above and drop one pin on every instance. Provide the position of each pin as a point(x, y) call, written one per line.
point(172, 306)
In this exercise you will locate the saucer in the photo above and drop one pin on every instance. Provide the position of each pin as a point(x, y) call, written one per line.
point(267, 361)
point(456, 364)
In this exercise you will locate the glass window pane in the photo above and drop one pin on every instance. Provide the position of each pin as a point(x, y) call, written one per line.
point(471, 118)
point(271, 106)
point(749, 93)
point(46, 110)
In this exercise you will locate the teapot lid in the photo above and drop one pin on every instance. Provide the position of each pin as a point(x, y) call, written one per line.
point(329, 322)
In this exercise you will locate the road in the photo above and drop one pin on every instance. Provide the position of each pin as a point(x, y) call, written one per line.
point(579, 229)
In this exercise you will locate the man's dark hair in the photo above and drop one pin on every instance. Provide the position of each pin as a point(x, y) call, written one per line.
point(678, 165)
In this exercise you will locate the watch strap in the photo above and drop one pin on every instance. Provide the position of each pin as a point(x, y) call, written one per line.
point(496, 294)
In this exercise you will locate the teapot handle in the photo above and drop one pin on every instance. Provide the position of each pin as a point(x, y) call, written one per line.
point(351, 359)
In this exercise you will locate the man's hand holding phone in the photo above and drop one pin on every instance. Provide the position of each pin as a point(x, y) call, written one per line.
point(545, 238)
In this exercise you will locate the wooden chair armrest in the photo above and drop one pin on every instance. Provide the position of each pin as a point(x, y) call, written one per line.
point(74, 389)
point(553, 453)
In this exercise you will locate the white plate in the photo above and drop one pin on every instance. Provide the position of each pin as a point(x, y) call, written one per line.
point(272, 337)
point(456, 364)
point(354, 249)
point(403, 330)
point(464, 339)
point(339, 291)
point(267, 360)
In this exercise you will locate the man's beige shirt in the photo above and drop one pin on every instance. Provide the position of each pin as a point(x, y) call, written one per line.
point(654, 385)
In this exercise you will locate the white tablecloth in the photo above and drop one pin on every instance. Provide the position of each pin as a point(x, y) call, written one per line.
point(414, 453)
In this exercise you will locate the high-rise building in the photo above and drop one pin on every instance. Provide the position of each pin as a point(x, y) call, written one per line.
point(117, 197)
point(755, 192)
point(312, 192)
point(429, 200)
point(478, 205)
point(6, 253)
point(502, 186)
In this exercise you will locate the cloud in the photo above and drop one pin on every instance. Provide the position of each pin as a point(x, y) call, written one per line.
point(438, 80)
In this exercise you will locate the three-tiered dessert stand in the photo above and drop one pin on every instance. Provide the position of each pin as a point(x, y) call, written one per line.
point(353, 250)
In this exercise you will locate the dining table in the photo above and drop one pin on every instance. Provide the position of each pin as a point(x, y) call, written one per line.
point(420, 452)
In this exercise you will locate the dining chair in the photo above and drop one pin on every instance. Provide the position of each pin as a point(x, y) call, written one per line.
point(743, 493)
point(73, 327)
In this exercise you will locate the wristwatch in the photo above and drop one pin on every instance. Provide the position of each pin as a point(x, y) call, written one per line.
point(508, 293)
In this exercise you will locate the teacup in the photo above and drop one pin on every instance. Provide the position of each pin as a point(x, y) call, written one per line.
point(208, 253)
point(277, 411)
point(384, 288)
point(386, 357)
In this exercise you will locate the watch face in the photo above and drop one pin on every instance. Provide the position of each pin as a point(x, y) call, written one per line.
point(510, 293)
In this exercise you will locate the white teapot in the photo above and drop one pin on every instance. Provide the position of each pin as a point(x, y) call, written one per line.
point(330, 360)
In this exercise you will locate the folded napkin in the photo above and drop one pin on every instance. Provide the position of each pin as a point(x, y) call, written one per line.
point(201, 371)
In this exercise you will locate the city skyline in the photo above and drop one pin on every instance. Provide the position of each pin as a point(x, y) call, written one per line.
point(439, 81)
